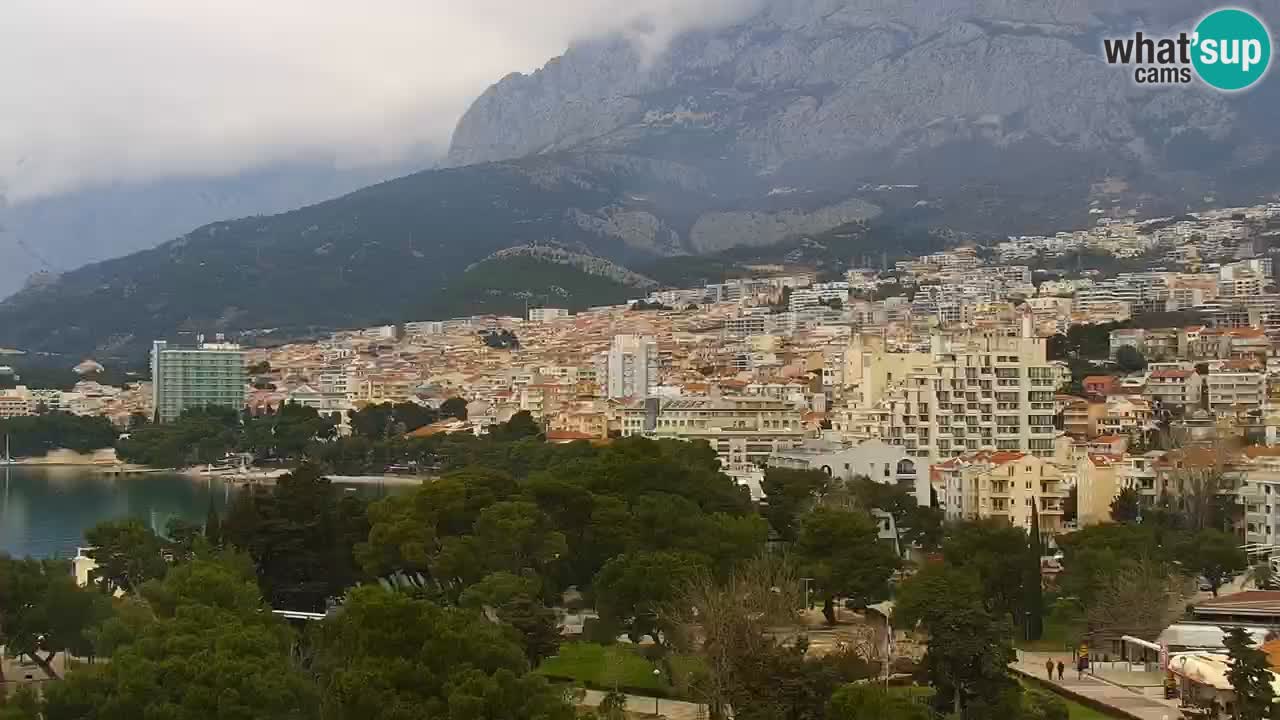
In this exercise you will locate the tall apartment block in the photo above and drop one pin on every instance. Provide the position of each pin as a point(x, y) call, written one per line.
point(209, 374)
point(630, 367)
point(972, 391)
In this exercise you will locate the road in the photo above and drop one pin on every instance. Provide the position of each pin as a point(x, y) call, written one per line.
point(1127, 702)
point(644, 705)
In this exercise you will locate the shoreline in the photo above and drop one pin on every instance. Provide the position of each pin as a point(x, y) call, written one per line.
point(250, 477)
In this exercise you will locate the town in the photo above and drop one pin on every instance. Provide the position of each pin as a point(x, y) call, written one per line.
point(1004, 386)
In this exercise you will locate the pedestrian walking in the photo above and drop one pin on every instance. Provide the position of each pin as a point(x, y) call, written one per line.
point(1081, 664)
point(1061, 669)
point(1048, 668)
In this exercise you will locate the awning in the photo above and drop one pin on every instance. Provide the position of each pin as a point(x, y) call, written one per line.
point(1141, 643)
point(1208, 669)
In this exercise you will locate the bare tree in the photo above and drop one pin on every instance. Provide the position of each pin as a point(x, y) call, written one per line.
point(729, 624)
point(1140, 599)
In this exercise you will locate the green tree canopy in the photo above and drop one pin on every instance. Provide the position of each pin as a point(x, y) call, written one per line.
point(200, 648)
point(998, 555)
point(1214, 555)
point(127, 553)
point(1127, 506)
point(1130, 359)
point(301, 534)
point(43, 612)
point(841, 550)
point(861, 702)
point(789, 494)
point(389, 657)
point(454, 407)
point(1250, 677)
point(969, 649)
point(632, 589)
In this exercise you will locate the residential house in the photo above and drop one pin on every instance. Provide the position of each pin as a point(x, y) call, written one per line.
point(1100, 385)
point(1174, 390)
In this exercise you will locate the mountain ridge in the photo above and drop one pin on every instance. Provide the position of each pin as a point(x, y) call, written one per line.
point(987, 117)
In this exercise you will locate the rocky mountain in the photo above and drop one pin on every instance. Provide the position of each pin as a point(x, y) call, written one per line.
point(819, 95)
point(785, 134)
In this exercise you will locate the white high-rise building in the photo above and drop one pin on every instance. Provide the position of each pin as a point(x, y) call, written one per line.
point(630, 368)
point(978, 391)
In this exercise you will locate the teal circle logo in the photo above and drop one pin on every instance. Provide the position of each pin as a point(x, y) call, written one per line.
point(1231, 49)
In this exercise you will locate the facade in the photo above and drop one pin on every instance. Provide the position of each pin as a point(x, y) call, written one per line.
point(325, 403)
point(875, 459)
point(211, 374)
point(15, 403)
point(629, 369)
point(1174, 390)
point(1125, 416)
point(547, 314)
point(1097, 484)
point(1260, 495)
point(973, 391)
point(1080, 416)
point(742, 430)
point(1099, 385)
point(1003, 486)
point(1235, 390)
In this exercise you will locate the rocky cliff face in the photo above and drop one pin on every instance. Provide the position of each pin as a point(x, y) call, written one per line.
point(868, 83)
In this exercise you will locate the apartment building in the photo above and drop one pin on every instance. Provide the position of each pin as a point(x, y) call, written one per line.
point(208, 375)
point(1174, 389)
point(1002, 486)
point(874, 459)
point(1236, 387)
point(629, 369)
point(972, 391)
point(1125, 416)
point(15, 403)
point(742, 430)
point(1260, 496)
point(1097, 484)
point(1080, 416)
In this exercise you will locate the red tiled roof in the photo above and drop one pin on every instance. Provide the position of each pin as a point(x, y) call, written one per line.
point(1102, 461)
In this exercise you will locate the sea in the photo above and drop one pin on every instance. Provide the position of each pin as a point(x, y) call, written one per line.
point(44, 511)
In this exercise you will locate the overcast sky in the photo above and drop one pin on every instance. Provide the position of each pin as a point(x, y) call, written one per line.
point(98, 91)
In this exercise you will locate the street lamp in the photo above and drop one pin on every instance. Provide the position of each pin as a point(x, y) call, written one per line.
point(656, 674)
point(807, 580)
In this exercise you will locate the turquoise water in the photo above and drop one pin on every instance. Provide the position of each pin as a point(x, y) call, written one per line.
point(45, 511)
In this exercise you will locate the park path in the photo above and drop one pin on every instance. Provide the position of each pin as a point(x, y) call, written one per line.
point(1122, 700)
point(644, 705)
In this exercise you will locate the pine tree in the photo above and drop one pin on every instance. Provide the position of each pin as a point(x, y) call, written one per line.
point(1249, 676)
point(1034, 592)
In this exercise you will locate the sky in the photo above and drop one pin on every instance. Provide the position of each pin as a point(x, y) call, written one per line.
point(108, 91)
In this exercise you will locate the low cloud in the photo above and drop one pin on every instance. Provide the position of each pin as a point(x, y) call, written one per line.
point(129, 90)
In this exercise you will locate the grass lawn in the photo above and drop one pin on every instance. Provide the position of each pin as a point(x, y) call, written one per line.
point(1076, 710)
point(1058, 635)
point(604, 667)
